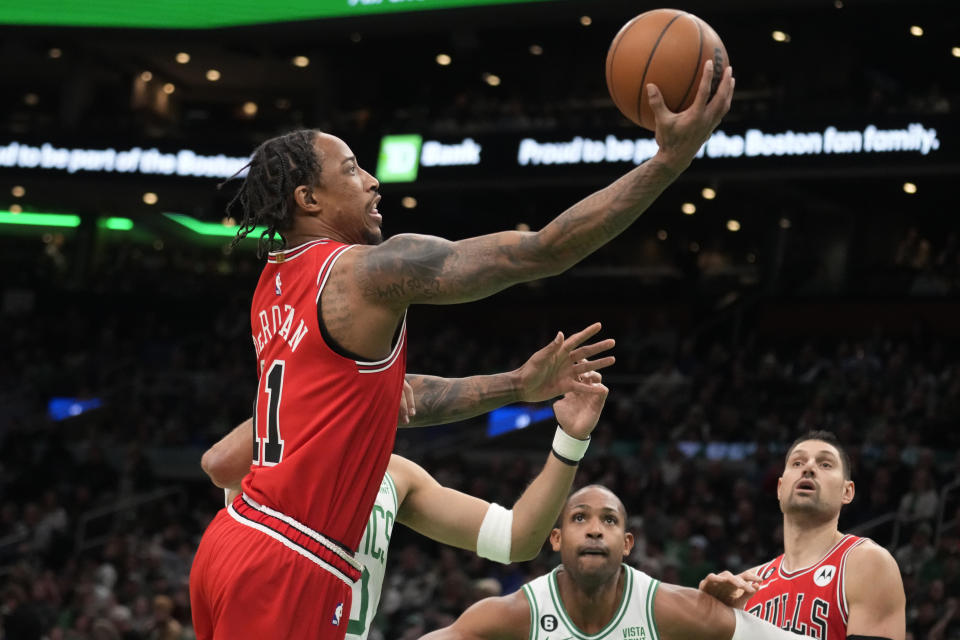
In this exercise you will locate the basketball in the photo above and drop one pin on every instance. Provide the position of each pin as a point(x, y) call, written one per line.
point(665, 47)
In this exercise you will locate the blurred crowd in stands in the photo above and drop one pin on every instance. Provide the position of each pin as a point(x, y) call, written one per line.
point(100, 513)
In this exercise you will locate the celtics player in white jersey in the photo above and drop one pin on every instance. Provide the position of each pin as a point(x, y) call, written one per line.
point(592, 595)
point(411, 496)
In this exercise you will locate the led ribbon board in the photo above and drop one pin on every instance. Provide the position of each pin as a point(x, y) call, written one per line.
point(207, 14)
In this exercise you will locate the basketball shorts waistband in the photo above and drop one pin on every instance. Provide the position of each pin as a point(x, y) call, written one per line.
point(298, 537)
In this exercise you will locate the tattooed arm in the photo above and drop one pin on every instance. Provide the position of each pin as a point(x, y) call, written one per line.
point(409, 268)
point(550, 372)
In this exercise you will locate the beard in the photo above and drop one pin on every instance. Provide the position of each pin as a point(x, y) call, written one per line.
point(372, 236)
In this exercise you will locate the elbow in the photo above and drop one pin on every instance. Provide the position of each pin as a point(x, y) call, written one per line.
point(524, 551)
point(212, 464)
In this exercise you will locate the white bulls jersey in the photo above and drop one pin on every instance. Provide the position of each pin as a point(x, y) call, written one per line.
point(372, 554)
point(633, 619)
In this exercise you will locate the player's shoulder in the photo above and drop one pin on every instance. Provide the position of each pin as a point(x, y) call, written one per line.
point(505, 617)
point(867, 555)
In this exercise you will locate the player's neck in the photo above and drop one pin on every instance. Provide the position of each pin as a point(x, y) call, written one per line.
point(309, 228)
point(591, 607)
point(805, 543)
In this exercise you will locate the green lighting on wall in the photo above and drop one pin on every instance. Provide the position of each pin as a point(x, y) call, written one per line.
point(40, 219)
point(211, 228)
point(115, 224)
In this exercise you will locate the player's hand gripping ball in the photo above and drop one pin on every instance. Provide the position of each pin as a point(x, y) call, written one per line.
point(665, 47)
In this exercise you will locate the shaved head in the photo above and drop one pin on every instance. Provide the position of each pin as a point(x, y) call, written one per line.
point(574, 500)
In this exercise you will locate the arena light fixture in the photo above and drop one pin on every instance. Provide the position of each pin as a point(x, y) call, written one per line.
point(150, 198)
point(31, 99)
point(18, 191)
point(536, 50)
point(115, 224)
point(955, 52)
point(15, 208)
point(409, 202)
point(210, 228)
point(916, 30)
point(909, 187)
point(301, 61)
point(785, 223)
point(169, 88)
point(708, 193)
point(491, 79)
point(443, 59)
point(183, 57)
point(55, 53)
point(249, 108)
point(33, 219)
point(213, 75)
point(146, 76)
point(586, 21)
point(733, 225)
point(688, 208)
point(662, 234)
point(780, 36)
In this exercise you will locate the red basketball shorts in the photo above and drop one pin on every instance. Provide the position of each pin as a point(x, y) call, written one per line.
point(248, 583)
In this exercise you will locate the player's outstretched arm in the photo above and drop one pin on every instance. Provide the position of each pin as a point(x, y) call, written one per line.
point(874, 591)
point(681, 613)
point(464, 521)
point(550, 372)
point(506, 618)
point(416, 269)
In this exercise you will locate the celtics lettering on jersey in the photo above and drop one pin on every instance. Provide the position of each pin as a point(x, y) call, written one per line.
point(633, 619)
point(372, 554)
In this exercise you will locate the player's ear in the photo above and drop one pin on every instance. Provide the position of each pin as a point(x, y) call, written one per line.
point(627, 543)
point(555, 540)
point(303, 196)
point(848, 492)
point(779, 484)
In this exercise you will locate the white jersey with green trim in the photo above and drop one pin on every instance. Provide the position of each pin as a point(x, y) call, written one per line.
point(372, 554)
point(633, 619)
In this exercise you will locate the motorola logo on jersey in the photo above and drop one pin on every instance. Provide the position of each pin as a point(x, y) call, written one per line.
point(548, 622)
point(824, 575)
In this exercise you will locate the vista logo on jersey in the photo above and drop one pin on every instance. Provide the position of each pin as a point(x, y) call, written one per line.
point(824, 575)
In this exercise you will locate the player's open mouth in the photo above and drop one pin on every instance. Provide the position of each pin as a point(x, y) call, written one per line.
point(593, 551)
point(806, 486)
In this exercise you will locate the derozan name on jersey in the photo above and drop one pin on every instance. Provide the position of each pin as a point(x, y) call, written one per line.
point(279, 322)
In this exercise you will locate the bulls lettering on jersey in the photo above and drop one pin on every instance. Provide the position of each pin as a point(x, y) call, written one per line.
point(809, 601)
point(324, 420)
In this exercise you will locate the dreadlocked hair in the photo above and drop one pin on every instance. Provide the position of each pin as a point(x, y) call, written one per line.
point(277, 167)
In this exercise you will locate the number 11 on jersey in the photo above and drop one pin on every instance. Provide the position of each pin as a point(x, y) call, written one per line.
point(268, 451)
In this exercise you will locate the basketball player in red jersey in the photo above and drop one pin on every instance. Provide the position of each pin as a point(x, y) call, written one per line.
point(328, 325)
point(826, 585)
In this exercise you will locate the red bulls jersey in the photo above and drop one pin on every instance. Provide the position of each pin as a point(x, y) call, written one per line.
point(808, 601)
point(324, 422)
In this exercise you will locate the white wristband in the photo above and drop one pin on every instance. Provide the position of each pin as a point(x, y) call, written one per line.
point(496, 533)
point(566, 446)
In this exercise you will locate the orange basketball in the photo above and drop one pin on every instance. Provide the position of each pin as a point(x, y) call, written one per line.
point(665, 47)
